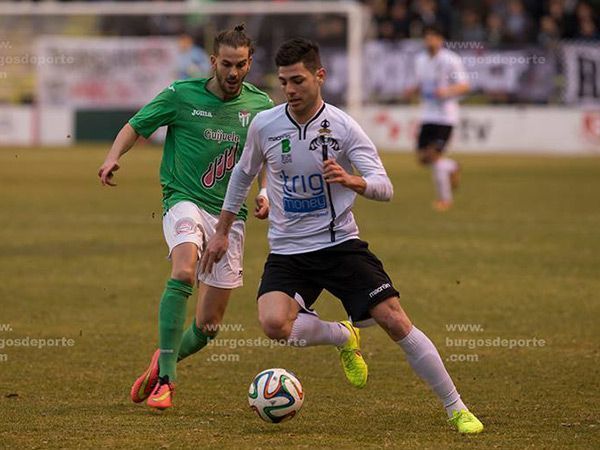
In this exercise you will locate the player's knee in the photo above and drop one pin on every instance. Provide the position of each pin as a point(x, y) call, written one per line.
point(275, 327)
point(186, 274)
point(423, 158)
point(392, 318)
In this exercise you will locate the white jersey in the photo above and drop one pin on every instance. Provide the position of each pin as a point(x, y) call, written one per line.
point(306, 213)
point(441, 70)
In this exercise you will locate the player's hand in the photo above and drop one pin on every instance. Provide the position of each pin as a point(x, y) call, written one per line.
point(107, 171)
point(334, 173)
point(215, 249)
point(262, 207)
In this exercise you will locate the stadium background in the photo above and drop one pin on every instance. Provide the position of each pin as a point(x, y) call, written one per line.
point(517, 258)
point(536, 62)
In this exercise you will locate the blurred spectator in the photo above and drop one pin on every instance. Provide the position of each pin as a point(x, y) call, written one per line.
point(379, 12)
point(549, 33)
point(587, 25)
point(400, 19)
point(331, 30)
point(496, 7)
point(426, 13)
point(192, 61)
point(494, 34)
point(471, 27)
point(588, 29)
point(518, 24)
point(565, 22)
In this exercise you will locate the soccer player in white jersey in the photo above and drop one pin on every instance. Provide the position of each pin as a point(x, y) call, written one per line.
point(441, 80)
point(310, 150)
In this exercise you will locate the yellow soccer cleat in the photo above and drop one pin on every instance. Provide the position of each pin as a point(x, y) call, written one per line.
point(354, 365)
point(466, 422)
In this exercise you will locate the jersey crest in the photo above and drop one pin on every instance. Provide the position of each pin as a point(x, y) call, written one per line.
point(244, 117)
point(324, 138)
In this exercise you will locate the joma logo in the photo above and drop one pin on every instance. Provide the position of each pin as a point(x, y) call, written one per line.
point(199, 112)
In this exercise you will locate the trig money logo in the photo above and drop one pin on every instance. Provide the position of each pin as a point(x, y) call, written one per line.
point(303, 193)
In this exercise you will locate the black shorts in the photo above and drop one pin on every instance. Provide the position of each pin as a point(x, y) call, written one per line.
point(434, 134)
point(348, 270)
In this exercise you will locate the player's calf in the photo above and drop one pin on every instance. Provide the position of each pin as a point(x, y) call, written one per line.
point(455, 177)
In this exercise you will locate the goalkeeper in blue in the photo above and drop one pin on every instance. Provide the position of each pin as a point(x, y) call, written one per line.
point(310, 150)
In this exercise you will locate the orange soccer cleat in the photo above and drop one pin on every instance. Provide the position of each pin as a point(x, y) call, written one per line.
point(162, 395)
point(146, 382)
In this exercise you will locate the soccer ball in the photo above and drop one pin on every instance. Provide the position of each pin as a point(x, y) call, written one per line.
point(275, 395)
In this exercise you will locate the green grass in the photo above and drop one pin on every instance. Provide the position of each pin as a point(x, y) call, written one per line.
point(519, 255)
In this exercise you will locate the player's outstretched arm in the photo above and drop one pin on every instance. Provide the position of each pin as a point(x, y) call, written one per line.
point(126, 138)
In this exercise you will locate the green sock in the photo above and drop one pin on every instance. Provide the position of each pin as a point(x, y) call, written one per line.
point(171, 317)
point(193, 340)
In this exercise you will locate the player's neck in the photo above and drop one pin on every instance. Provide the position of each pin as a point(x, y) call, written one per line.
point(303, 116)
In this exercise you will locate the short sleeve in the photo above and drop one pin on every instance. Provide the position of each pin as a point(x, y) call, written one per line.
point(161, 111)
point(252, 157)
point(268, 103)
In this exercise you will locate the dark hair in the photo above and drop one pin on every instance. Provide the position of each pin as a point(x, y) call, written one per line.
point(299, 50)
point(436, 29)
point(233, 38)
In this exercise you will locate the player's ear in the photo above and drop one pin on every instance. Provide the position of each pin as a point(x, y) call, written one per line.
point(213, 61)
point(321, 75)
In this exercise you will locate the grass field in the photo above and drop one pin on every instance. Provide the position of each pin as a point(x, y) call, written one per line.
point(518, 258)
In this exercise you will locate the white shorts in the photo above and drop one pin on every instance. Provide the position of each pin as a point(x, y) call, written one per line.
point(186, 222)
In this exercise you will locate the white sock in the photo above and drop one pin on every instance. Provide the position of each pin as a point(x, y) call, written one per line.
point(309, 330)
point(425, 360)
point(441, 170)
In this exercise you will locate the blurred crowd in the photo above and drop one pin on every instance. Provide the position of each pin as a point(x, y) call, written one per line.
point(525, 26)
point(498, 23)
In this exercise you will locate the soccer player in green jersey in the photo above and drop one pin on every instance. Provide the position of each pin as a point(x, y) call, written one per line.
point(207, 123)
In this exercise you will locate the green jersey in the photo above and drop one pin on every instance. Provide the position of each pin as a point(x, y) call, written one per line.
point(205, 139)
